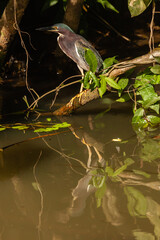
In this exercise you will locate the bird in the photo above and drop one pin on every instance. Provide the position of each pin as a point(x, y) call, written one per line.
point(74, 46)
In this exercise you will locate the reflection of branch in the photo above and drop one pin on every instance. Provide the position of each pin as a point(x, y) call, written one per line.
point(41, 195)
point(153, 185)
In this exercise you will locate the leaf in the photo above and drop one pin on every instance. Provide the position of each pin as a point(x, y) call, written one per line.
point(153, 119)
point(155, 69)
point(112, 83)
point(103, 86)
point(155, 107)
point(136, 7)
point(20, 127)
point(107, 4)
point(124, 98)
point(86, 80)
point(137, 115)
point(123, 82)
point(95, 79)
point(91, 59)
point(108, 62)
point(128, 161)
point(2, 129)
point(49, 3)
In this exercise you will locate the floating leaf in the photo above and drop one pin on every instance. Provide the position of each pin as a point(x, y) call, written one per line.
point(2, 129)
point(20, 127)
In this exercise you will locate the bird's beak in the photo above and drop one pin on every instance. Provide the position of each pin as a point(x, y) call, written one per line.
point(48, 29)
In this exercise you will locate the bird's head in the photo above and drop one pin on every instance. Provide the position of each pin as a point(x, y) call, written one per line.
point(59, 28)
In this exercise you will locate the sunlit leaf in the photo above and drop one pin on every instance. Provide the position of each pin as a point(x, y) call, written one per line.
point(136, 7)
point(2, 129)
point(102, 89)
point(91, 59)
point(111, 82)
point(20, 127)
point(49, 119)
point(155, 69)
point(86, 80)
point(95, 79)
point(49, 3)
point(155, 107)
point(108, 62)
point(124, 98)
point(153, 119)
point(107, 4)
point(123, 82)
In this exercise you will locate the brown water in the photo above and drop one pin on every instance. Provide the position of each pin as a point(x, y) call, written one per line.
point(46, 184)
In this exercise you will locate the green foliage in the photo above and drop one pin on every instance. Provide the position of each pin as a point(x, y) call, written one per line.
point(99, 177)
point(38, 126)
point(136, 7)
point(107, 4)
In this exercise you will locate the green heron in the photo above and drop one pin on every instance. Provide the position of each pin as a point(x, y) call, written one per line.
point(74, 46)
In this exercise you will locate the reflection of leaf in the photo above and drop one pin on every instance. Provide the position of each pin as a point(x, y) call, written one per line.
point(100, 193)
point(137, 204)
point(144, 174)
point(150, 150)
point(143, 236)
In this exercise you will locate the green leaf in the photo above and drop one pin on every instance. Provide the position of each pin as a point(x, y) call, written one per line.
point(109, 171)
point(91, 59)
point(103, 86)
point(95, 79)
point(136, 7)
point(2, 129)
point(137, 116)
point(49, 3)
point(86, 80)
point(108, 62)
point(155, 69)
point(124, 98)
point(155, 107)
point(123, 82)
point(153, 119)
point(107, 4)
point(112, 83)
point(20, 127)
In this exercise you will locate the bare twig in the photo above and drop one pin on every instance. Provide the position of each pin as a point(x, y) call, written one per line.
point(151, 37)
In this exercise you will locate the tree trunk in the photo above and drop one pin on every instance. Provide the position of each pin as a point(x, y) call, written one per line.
point(10, 18)
point(73, 13)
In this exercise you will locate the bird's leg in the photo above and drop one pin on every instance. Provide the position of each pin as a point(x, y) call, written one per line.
point(82, 73)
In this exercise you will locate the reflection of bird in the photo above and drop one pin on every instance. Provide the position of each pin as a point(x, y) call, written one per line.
point(74, 46)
